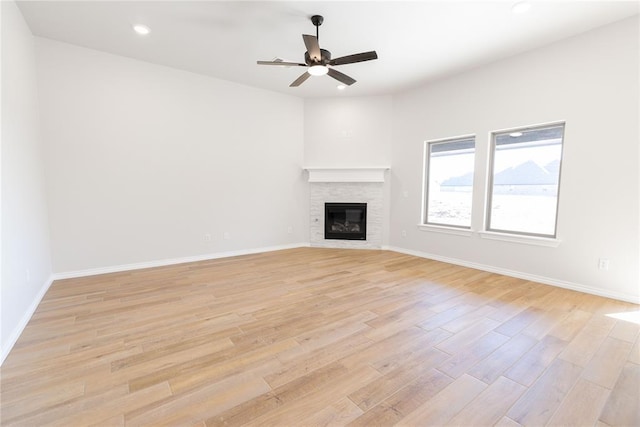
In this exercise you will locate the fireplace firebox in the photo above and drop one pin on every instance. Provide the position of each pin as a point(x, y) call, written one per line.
point(345, 221)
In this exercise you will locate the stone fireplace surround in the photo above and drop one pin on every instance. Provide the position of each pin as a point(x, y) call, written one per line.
point(346, 185)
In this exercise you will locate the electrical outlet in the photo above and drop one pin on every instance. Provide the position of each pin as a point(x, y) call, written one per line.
point(404, 233)
point(289, 229)
point(603, 264)
point(226, 235)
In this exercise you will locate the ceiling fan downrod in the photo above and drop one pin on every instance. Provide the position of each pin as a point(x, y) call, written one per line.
point(317, 60)
point(317, 20)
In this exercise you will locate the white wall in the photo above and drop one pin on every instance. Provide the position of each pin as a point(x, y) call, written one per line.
point(347, 132)
point(26, 260)
point(591, 81)
point(350, 132)
point(144, 160)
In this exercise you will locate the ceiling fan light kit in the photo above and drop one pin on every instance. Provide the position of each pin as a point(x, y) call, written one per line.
point(318, 61)
point(318, 70)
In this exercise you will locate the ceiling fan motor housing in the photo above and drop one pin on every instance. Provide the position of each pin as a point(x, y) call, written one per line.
point(319, 59)
point(325, 58)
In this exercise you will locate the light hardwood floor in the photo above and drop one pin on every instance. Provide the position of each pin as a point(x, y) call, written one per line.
point(321, 337)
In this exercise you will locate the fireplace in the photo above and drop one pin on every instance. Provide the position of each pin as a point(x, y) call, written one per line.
point(345, 221)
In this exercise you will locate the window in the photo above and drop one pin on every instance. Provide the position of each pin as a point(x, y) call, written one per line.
point(524, 180)
point(449, 182)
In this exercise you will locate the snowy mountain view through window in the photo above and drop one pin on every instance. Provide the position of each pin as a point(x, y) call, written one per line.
point(523, 185)
point(446, 161)
point(525, 180)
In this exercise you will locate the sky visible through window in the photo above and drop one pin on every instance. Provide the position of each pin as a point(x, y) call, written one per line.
point(446, 207)
point(525, 187)
point(524, 182)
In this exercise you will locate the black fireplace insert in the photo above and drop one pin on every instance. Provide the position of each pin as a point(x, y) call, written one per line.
point(345, 221)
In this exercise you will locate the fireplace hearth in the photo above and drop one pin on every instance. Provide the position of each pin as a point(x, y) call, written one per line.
point(345, 221)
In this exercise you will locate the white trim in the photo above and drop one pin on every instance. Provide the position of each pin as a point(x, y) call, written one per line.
point(364, 174)
point(126, 267)
point(528, 127)
point(26, 317)
point(492, 235)
point(526, 240)
point(450, 139)
point(425, 176)
point(446, 230)
point(120, 268)
point(635, 299)
point(172, 261)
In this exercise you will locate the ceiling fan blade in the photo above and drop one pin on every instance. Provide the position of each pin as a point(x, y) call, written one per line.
point(341, 77)
point(358, 57)
point(283, 63)
point(311, 42)
point(297, 82)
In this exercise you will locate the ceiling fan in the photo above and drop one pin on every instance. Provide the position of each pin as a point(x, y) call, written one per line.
point(318, 61)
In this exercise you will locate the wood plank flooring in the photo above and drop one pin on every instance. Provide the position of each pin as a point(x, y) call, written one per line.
point(310, 337)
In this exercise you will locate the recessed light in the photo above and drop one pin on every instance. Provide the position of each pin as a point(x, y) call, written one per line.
point(342, 87)
point(521, 7)
point(143, 30)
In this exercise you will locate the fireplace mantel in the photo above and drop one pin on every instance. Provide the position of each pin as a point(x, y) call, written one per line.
point(358, 174)
point(347, 185)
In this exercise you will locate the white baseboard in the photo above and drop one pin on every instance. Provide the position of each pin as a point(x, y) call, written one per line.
point(520, 275)
point(160, 263)
point(125, 267)
point(13, 338)
point(171, 261)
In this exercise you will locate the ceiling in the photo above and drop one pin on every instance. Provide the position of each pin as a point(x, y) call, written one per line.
point(416, 41)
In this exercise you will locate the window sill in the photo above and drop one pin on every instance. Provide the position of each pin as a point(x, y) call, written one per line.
point(446, 230)
point(492, 235)
point(527, 240)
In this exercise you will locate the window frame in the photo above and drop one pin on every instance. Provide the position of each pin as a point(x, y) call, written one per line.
point(490, 174)
point(424, 222)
